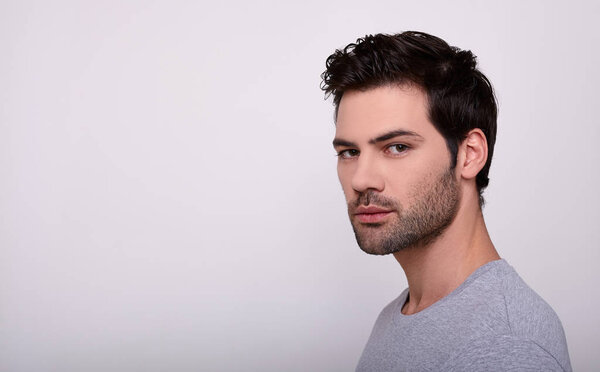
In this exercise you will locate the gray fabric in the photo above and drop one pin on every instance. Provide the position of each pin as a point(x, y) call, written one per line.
point(491, 322)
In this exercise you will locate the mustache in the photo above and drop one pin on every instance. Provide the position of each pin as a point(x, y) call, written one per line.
point(371, 197)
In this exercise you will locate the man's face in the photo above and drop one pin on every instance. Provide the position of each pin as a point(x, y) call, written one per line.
point(394, 167)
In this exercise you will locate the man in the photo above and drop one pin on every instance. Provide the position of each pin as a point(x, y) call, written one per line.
point(415, 133)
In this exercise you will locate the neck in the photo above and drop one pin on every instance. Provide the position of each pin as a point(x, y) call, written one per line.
point(435, 270)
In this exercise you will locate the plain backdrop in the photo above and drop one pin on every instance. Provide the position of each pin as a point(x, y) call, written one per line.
point(168, 192)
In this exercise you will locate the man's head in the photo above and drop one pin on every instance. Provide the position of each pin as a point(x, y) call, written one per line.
point(459, 96)
point(406, 105)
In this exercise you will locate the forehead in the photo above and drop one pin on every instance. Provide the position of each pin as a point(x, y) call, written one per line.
point(363, 115)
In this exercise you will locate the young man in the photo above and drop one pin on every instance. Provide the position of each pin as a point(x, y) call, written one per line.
point(415, 133)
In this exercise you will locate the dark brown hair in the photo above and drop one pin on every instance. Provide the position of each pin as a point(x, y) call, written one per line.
point(460, 97)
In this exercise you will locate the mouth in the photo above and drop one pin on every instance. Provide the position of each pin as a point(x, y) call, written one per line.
point(371, 214)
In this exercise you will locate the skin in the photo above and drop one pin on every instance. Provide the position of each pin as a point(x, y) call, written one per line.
point(390, 156)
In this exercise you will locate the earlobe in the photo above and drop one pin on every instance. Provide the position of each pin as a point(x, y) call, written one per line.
point(475, 152)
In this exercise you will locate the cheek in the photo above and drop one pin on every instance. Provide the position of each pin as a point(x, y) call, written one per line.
point(421, 186)
point(397, 186)
point(404, 183)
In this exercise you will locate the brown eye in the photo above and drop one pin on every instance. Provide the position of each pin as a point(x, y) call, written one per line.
point(397, 148)
point(348, 154)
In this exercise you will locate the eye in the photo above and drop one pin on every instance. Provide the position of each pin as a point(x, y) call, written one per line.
point(396, 149)
point(348, 154)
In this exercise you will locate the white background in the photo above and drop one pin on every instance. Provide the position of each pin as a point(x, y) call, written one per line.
point(168, 196)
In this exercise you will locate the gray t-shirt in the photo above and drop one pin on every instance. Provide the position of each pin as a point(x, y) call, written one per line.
point(491, 322)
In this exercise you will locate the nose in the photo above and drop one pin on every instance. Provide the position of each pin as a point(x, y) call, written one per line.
point(367, 176)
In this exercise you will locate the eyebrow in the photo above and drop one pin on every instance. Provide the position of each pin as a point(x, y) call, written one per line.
point(393, 134)
point(384, 137)
point(338, 142)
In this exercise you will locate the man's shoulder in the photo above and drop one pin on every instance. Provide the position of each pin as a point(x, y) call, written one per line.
point(527, 312)
point(532, 326)
point(509, 352)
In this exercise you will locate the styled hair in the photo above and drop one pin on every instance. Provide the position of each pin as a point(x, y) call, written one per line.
point(460, 98)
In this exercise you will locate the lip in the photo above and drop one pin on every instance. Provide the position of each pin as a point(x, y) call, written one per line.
point(371, 214)
point(371, 209)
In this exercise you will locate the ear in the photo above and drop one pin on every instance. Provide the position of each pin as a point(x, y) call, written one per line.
point(473, 153)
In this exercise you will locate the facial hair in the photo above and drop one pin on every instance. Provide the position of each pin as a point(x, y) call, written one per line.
point(434, 207)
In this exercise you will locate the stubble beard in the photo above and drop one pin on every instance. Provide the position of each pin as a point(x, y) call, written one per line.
point(434, 208)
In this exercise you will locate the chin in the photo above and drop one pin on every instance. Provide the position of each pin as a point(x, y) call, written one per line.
point(373, 246)
point(375, 252)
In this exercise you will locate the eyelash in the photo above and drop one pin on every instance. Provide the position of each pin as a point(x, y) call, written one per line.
point(403, 147)
point(340, 154)
point(355, 152)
